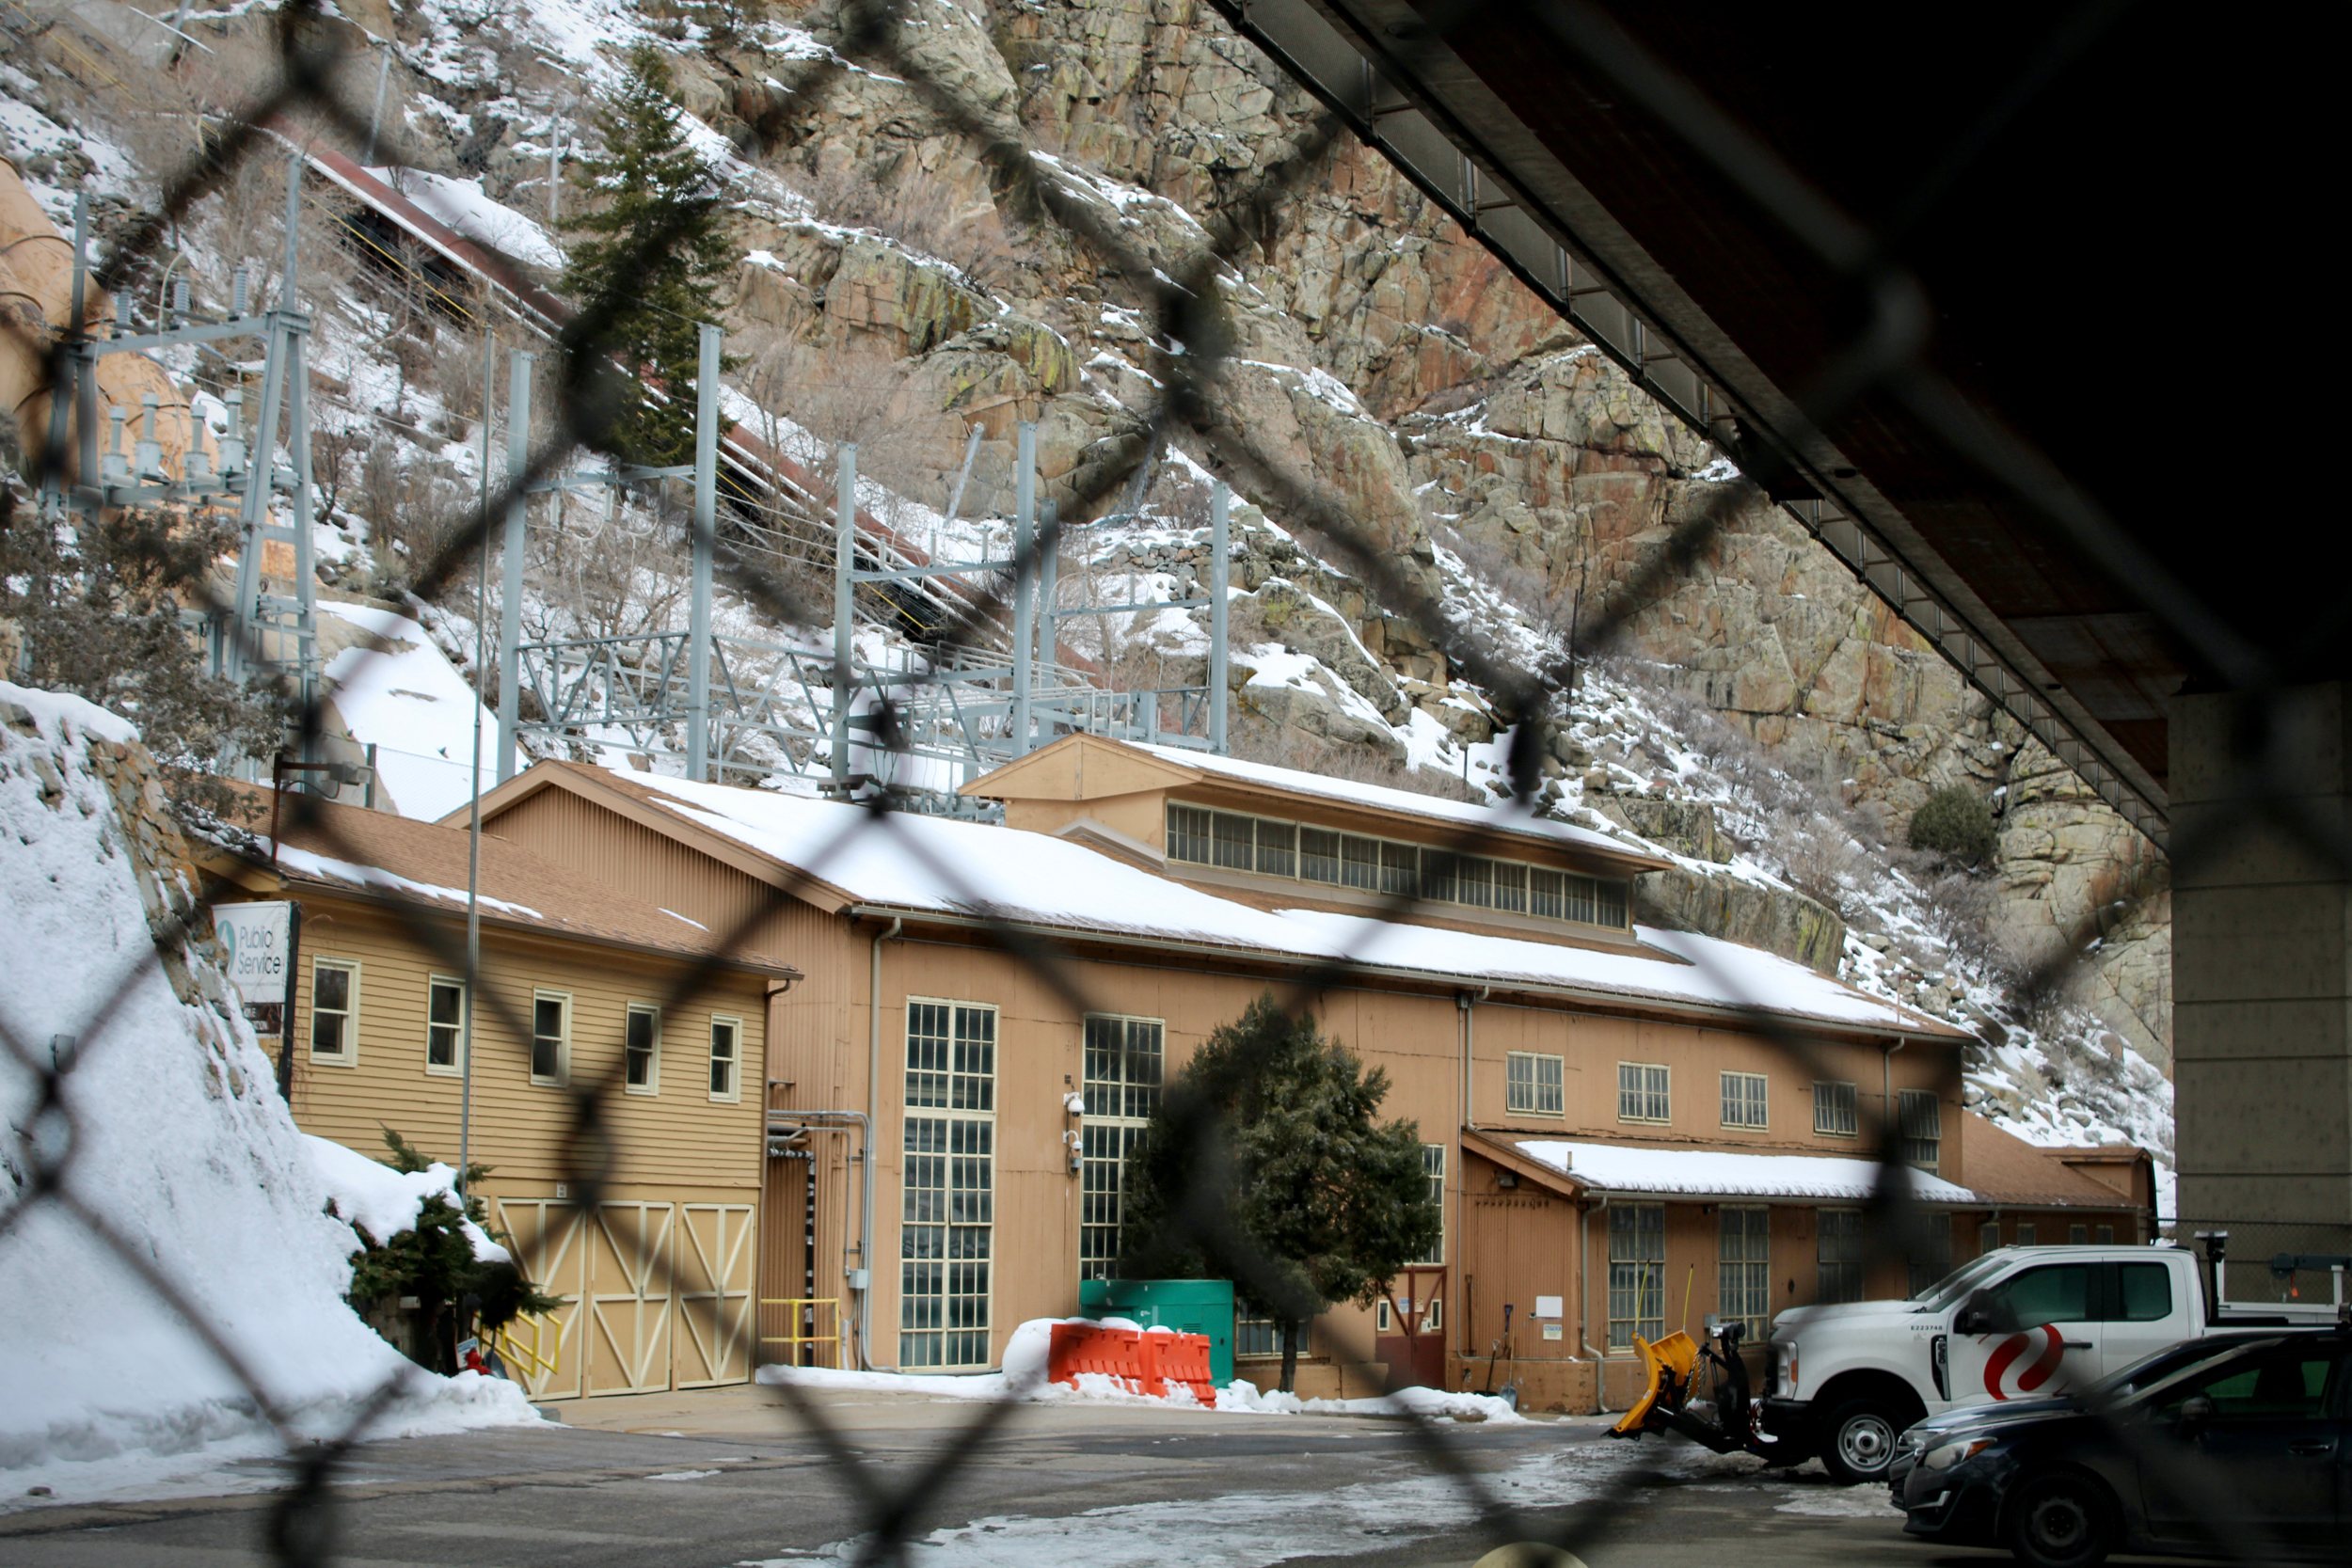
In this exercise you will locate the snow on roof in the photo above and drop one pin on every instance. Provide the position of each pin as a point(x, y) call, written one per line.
point(460, 205)
point(1498, 818)
point(404, 697)
point(1711, 971)
point(903, 861)
point(932, 863)
point(1707, 1173)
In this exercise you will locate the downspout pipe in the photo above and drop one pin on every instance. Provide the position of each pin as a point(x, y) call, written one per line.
point(1584, 1306)
point(1459, 1175)
point(873, 1120)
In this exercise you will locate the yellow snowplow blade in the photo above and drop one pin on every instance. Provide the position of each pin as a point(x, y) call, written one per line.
point(1674, 1355)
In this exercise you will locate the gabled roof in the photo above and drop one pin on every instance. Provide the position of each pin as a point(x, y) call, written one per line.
point(849, 859)
point(1090, 767)
point(382, 857)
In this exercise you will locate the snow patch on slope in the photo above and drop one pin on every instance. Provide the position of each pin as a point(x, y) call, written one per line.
point(175, 1141)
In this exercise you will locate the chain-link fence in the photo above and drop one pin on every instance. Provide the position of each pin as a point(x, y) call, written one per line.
point(1191, 334)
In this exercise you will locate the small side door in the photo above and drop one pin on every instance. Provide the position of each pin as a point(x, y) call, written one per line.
point(2044, 1339)
point(2263, 1465)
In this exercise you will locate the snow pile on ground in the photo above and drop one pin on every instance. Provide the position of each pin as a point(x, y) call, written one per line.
point(382, 1202)
point(173, 1138)
point(1024, 1377)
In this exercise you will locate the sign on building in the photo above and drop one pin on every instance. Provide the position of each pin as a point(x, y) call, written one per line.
point(257, 949)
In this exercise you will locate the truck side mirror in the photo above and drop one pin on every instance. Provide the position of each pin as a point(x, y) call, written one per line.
point(2196, 1414)
point(1980, 1314)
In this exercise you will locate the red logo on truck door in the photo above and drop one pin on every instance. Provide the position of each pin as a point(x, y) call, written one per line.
point(2012, 1351)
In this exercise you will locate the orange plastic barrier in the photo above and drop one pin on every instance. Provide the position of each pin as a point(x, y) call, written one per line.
point(1141, 1362)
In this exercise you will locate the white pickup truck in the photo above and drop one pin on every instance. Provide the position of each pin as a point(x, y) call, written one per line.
point(2019, 1322)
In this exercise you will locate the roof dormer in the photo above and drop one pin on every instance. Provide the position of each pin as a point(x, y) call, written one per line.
point(1277, 837)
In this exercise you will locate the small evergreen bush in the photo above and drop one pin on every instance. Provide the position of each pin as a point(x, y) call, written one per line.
point(1956, 824)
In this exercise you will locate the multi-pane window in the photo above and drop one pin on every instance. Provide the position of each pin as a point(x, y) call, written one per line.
point(951, 1056)
point(2025, 1235)
point(1532, 1083)
point(1922, 1128)
point(1833, 1111)
point(334, 998)
point(1188, 834)
point(1931, 1256)
point(1125, 1060)
point(1988, 1236)
point(1642, 1092)
point(1743, 1263)
point(1278, 849)
point(1744, 1099)
point(947, 1231)
point(1256, 1335)
point(726, 1045)
point(641, 1049)
point(550, 1037)
point(1433, 1171)
point(1318, 855)
point(444, 1024)
point(1233, 841)
point(1637, 1272)
point(2106, 1235)
point(2078, 1235)
point(1842, 1263)
point(1269, 847)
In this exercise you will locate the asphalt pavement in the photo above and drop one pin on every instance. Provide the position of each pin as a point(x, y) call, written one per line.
point(729, 1477)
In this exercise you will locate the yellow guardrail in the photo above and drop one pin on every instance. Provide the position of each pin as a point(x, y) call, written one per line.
point(797, 1338)
point(521, 1355)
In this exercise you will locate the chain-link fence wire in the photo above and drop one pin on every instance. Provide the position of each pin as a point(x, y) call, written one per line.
point(591, 386)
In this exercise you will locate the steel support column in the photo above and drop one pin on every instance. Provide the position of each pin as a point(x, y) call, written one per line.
point(705, 546)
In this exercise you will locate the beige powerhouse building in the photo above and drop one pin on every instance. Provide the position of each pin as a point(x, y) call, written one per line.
point(944, 1122)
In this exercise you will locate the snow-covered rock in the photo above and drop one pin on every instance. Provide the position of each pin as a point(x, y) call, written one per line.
point(170, 1279)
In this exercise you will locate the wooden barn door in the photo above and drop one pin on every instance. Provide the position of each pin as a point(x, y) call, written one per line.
point(714, 1256)
point(629, 1293)
point(549, 1246)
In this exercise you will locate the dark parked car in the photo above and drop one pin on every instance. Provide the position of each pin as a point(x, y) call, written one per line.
point(2239, 1444)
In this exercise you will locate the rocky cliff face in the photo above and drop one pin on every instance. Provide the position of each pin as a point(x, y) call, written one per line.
point(1464, 413)
point(895, 292)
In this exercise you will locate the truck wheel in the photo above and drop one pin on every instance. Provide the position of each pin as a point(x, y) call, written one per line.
point(1858, 1440)
point(2061, 1522)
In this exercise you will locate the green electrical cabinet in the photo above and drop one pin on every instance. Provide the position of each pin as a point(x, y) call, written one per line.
point(1186, 1306)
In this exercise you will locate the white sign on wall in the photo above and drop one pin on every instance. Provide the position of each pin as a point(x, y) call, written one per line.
point(256, 949)
point(1547, 1307)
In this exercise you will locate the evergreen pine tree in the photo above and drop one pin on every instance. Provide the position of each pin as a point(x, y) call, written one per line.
point(1264, 1166)
point(644, 267)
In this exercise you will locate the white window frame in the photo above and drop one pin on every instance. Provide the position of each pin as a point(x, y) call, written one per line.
point(1752, 1284)
point(1115, 1128)
point(1636, 1280)
point(1535, 1084)
point(950, 1114)
point(1857, 1232)
point(456, 1065)
point(1644, 1093)
point(651, 1088)
point(1920, 1127)
point(1763, 1098)
point(1432, 1162)
point(1826, 1109)
point(734, 1094)
point(562, 1075)
point(349, 1056)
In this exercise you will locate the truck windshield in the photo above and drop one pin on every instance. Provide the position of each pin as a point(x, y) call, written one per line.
point(1959, 1282)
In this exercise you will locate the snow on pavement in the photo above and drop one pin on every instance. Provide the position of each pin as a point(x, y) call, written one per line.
point(1023, 1377)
